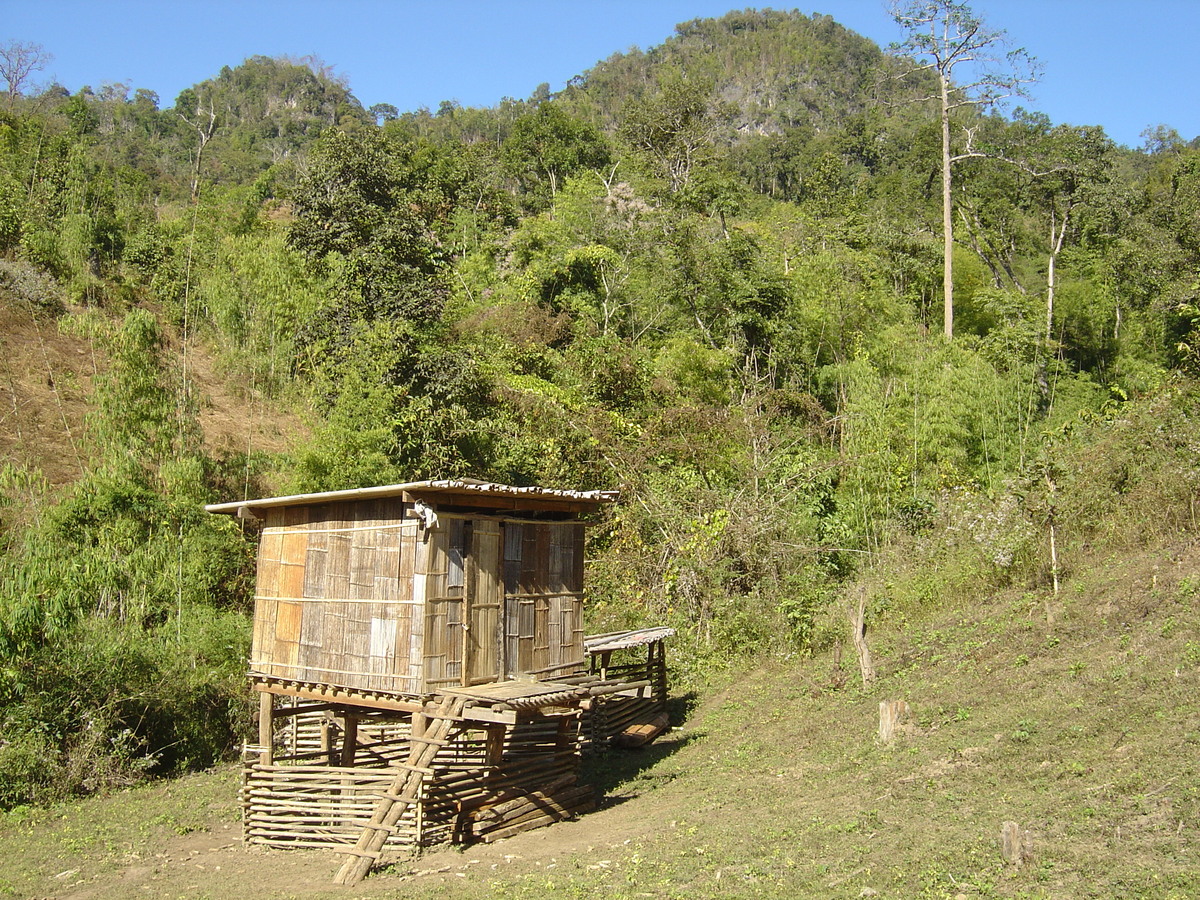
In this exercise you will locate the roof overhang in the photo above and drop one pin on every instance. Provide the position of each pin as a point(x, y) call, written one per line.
point(623, 640)
point(451, 491)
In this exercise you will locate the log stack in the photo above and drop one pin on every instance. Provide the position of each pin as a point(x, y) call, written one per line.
point(518, 811)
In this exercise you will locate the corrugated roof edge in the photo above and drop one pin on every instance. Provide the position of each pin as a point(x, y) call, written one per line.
point(623, 640)
point(393, 490)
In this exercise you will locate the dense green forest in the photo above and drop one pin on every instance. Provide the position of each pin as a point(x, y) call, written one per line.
point(709, 274)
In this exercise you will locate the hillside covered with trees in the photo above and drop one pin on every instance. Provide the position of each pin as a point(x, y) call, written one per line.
point(709, 274)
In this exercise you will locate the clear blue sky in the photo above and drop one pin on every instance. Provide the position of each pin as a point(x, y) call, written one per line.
point(1123, 65)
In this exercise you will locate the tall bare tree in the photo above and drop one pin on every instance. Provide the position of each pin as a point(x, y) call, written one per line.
point(19, 60)
point(946, 37)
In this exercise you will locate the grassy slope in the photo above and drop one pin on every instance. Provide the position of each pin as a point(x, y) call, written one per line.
point(1084, 730)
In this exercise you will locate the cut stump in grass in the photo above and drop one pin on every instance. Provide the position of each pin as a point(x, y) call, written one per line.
point(1016, 844)
point(893, 715)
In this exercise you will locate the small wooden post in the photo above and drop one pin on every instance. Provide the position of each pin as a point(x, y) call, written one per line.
point(493, 749)
point(326, 745)
point(858, 633)
point(266, 727)
point(1051, 487)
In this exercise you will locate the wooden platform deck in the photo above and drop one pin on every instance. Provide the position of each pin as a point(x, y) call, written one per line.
point(499, 702)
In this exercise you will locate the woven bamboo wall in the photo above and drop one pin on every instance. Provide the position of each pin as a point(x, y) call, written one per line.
point(611, 714)
point(462, 582)
point(356, 595)
point(527, 620)
point(543, 581)
point(334, 598)
point(442, 653)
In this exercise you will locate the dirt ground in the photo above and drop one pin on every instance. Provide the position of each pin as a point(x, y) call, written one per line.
point(47, 378)
point(212, 862)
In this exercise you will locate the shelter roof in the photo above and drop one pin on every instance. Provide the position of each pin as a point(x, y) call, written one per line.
point(622, 640)
point(449, 490)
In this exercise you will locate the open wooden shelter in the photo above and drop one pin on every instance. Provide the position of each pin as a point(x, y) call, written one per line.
point(423, 673)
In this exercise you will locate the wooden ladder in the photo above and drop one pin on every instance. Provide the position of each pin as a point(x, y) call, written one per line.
point(403, 793)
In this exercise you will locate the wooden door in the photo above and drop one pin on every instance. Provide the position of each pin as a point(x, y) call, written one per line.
point(484, 599)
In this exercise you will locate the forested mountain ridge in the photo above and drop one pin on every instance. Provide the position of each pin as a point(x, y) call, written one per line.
point(708, 274)
point(780, 69)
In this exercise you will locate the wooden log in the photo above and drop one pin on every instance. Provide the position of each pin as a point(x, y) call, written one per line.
point(558, 813)
point(561, 805)
point(517, 828)
point(315, 771)
point(640, 734)
point(616, 687)
point(351, 826)
point(498, 810)
point(300, 843)
point(350, 823)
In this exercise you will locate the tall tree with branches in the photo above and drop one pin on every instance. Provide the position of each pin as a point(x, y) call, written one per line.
point(946, 37)
point(19, 60)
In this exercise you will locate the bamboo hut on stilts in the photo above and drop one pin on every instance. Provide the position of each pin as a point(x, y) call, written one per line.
point(422, 670)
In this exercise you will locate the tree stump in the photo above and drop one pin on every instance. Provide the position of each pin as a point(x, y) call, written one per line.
point(892, 715)
point(1016, 844)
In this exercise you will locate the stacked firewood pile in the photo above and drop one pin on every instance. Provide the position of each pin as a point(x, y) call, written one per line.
point(517, 811)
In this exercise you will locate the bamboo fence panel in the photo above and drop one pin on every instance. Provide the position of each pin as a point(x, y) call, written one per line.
point(611, 714)
point(302, 801)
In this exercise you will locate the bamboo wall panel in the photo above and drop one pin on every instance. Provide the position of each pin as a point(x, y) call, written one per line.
point(611, 714)
point(543, 630)
point(357, 595)
point(443, 638)
point(334, 600)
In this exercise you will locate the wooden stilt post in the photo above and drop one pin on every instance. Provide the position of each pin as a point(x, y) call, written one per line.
point(266, 727)
point(349, 739)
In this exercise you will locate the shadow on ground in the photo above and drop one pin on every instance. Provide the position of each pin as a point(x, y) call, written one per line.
point(614, 767)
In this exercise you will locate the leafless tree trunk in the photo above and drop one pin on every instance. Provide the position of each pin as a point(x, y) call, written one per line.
point(947, 217)
point(946, 33)
point(1057, 234)
point(858, 633)
point(205, 130)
